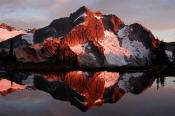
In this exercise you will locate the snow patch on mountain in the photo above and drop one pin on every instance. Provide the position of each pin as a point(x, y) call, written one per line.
point(137, 49)
point(28, 38)
point(97, 17)
point(78, 49)
point(49, 38)
point(123, 33)
point(113, 52)
point(169, 55)
point(82, 15)
point(5, 34)
point(88, 50)
point(84, 50)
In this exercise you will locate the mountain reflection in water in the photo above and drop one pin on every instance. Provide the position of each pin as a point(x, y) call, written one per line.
point(82, 89)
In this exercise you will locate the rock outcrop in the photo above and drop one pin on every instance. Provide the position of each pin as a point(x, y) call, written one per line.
point(5, 26)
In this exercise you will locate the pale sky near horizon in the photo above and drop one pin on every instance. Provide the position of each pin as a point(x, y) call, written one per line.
point(156, 15)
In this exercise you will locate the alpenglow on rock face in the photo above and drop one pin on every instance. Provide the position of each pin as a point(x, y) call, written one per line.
point(91, 39)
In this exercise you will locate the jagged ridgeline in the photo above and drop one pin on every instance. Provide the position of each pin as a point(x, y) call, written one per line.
point(87, 38)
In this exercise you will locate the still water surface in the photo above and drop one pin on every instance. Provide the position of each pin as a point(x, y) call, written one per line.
point(86, 93)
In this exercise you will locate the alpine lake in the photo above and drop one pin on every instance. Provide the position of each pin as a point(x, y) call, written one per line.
point(87, 93)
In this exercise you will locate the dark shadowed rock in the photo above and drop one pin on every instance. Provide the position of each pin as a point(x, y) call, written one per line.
point(17, 41)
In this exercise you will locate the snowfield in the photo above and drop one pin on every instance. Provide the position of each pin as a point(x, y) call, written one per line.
point(5, 34)
point(28, 38)
point(78, 49)
point(117, 54)
point(113, 52)
point(137, 49)
point(169, 55)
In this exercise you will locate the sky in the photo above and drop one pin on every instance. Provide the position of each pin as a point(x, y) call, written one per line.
point(156, 15)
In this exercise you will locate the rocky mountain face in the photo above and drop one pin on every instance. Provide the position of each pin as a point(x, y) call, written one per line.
point(91, 39)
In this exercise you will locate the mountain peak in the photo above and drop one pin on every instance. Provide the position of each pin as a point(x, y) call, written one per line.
point(83, 8)
point(78, 13)
point(91, 39)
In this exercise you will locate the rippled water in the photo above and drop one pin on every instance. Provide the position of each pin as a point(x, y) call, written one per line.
point(86, 93)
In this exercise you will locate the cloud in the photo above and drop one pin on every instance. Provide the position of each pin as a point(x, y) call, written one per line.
point(33, 22)
point(154, 14)
point(12, 5)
